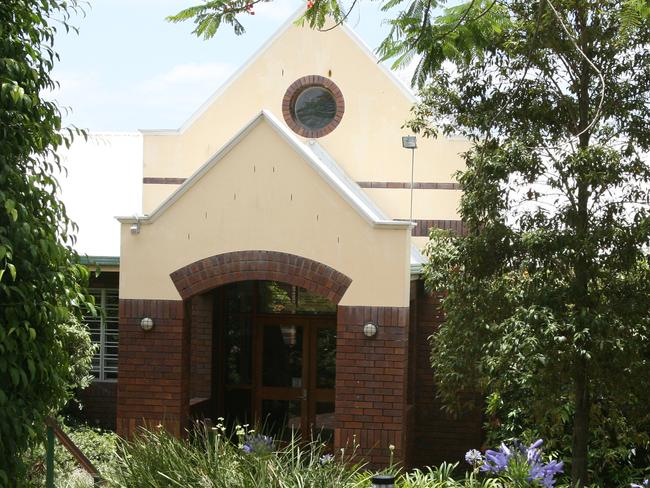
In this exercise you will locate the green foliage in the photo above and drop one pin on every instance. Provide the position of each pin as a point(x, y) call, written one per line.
point(98, 445)
point(213, 459)
point(443, 477)
point(548, 302)
point(459, 33)
point(41, 284)
point(209, 16)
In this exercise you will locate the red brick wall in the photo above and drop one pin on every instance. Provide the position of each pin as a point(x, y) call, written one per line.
point(436, 437)
point(209, 273)
point(153, 385)
point(385, 392)
point(201, 346)
point(412, 370)
point(371, 378)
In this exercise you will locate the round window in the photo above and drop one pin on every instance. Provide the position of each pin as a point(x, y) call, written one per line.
point(313, 106)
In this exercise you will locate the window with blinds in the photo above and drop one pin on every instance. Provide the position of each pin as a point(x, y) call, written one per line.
point(103, 330)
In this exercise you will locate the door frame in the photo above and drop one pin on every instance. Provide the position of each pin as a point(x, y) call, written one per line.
point(310, 322)
point(307, 393)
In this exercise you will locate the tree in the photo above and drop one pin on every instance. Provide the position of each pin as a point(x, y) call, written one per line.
point(548, 296)
point(44, 351)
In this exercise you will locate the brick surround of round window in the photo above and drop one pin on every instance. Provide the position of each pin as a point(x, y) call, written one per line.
point(298, 87)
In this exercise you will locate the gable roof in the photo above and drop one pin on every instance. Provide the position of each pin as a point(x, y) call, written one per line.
point(311, 152)
point(281, 30)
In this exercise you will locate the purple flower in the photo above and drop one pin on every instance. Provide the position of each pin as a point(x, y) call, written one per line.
point(537, 444)
point(258, 444)
point(545, 473)
point(645, 484)
point(473, 457)
point(326, 459)
point(497, 461)
point(500, 461)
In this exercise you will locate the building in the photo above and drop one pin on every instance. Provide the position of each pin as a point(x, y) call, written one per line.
point(274, 274)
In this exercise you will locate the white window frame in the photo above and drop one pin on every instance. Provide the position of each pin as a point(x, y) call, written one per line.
point(101, 295)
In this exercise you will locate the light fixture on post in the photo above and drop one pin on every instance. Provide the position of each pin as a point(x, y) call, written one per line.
point(382, 481)
point(410, 142)
point(370, 330)
point(146, 324)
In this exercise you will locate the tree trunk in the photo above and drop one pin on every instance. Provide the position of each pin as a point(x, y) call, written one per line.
point(580, 439)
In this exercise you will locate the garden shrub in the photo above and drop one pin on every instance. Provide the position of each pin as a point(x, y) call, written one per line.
point(100, 446)
point(212, 458)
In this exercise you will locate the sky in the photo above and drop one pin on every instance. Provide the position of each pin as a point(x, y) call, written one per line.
point(128, 68)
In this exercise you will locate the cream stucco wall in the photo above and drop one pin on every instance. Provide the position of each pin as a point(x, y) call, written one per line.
point(264, 195)
point(366, 144)
point(155, 193)
point(396, 202)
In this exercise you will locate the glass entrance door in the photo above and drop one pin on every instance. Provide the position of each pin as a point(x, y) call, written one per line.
point(322, 379)
point(276, 356)
point(296, 375)
point(281, 391)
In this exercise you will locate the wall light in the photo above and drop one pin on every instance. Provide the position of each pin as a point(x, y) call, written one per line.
point(146, 324)
point(370, 330)
point(135, 227)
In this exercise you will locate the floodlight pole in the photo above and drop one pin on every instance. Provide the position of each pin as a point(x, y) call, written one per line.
point(410, 142)
point(412, 167)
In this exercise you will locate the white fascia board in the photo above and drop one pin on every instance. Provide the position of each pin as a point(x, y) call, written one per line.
point(132, 219)
point(108, 133)
point(326, 173)
point(158, 132)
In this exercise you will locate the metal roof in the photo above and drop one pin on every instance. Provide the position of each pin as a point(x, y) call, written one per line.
point(100, 260)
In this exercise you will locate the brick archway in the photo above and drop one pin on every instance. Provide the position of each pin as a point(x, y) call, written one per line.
point(221, 269)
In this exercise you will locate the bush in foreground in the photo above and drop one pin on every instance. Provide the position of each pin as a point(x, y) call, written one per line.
point(100, 446)
point(211, 458)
